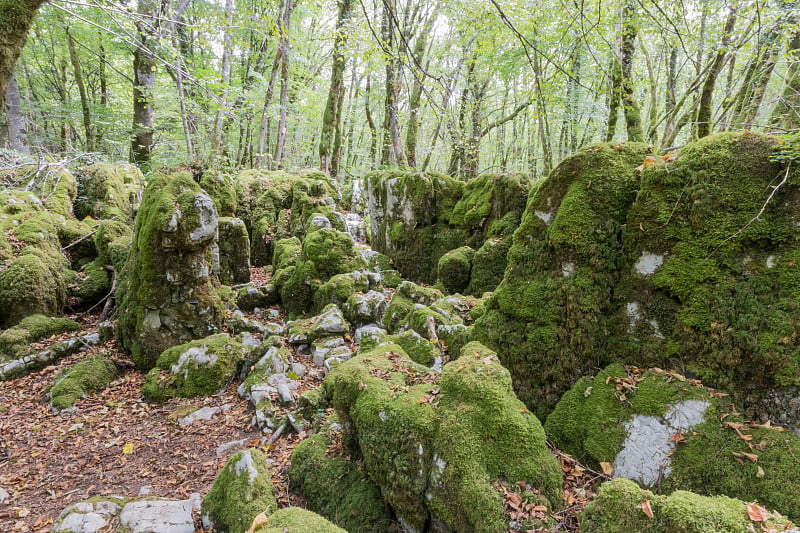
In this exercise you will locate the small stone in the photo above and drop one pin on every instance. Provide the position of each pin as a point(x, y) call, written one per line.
point(145, 490)
point(223, 449)
point(160, 516)
point(4, 495)
point(285, 394)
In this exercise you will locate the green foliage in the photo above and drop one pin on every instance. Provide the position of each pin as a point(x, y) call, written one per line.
point(92, 374)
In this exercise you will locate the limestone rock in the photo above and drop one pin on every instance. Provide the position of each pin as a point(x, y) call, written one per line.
point(234, 251)
point(166, 296)
point(108, 190)
point(330, 322)
point(365, 308)
point(196, 368)
point(454, 269)
point(160, 516)
point(88, 517)
point(242, 490)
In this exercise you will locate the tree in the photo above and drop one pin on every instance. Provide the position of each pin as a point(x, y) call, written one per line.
point(144, 79)
point(16, 17)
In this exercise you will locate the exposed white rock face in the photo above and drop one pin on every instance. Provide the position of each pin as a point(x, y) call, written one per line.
point(160, 516)
point(546, 217)
point(648, 263)
point(646, 452)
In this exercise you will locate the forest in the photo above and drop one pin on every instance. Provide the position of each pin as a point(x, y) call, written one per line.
point(462, 88)
point(452, 266)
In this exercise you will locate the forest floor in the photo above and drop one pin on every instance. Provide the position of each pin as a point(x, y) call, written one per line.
point(115, 443)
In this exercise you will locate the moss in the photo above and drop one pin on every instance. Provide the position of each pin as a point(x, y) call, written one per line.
point(435, 446)
point(113, 241)
point(418, 348)
point(77, 237)
point(618, 509)
point(234, 251)
point(455, 268)
point(706, 463)
point(221, 188)
point(92, 374)
point(297, 520)
point(726, 292)
point(34, 283)
point(336, 487)
point(491, 206)
point(95, 284)
point(165, 292)
point(241, 491)
point(16, 340)
point(404, 299)
point(108, 190)
point(339, 289)
point(197, 368)
point(286, 252)
point(550, 318)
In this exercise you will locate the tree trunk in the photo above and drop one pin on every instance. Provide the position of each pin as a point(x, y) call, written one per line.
point(16, 17)
point(144, 78)
point(373, 129)
point(217, 141)
point(392, 153)
point(14, 128)
point(283, 50)
point(331, 118)
point(704, 108)
point(787, 111)
point(415, 100)
point(76, 67)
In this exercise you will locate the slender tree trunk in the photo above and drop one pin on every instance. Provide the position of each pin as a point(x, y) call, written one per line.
point(415, 100)
point(283, 49)
point(76, 68)
point(14, 128)
point(217, 142)
point(704, 107)
point(331, 118)
point(633, 114)
point(16, 17)
point(144, 78)
point(787, 111)
point(373, 129)
point(392, 153)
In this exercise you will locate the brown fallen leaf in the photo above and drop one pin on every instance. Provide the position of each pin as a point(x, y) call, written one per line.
point(677, 437)
point(258, 521)
point(608, 468)
point(646, 509)
point(757, 513)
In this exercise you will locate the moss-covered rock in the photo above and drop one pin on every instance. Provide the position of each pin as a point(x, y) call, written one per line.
point(455, 268)
point(234, 251)
point(405, 298)
point(166, 294)
point(92, 374)
point(197, 368)
point(629, 418)
point(551, 316)
point(241, 491)
point(76, 239)
point(221, 187)
point(435, 444)
point(297, 520)
point(330, 322)
point(93, 282)
point(618, 509)
point(113, 242)
point(488, 265)
point(336, 487)
point(108, 190)
point(325, 253)
point(15, 341)
point(34, 283)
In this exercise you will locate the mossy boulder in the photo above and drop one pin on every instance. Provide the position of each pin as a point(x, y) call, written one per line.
point(297, 520)
point(76, 238)
point(455, 268)
point(197, 368)
point(113, 242)
point(92, 374)
point(16, 340)
point(665, 431)
point(435, 444)
point(221, 187)
point(279, 205)
point(330, 322)
point(488, 265)
point(618, 508)
point(166, 291)
point(234, 251)
point(409, 215)
point(336, 487)
point(404, 300)
point(551, 316)
point(324, 254)
point(108, 190)
point(33, 283)
point(241, 491)
point(710, 280)
point(93, 282)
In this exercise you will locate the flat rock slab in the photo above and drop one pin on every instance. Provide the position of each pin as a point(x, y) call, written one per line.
point(160, 516)
point(646, 452)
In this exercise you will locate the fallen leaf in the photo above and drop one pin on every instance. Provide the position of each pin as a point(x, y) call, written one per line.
point(258, 521)
point(608, 468)
point(677, 437)
point(646, 509)
point(760, 472)
point(128, 448)
point(757, 513)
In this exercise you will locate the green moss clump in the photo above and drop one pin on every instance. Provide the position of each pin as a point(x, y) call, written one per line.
point(197, 368)
point(77, 236)
point(108, 190)
point(95, 284)
point(434, 446)
point(339, 288)
point(92, 374)
point(488, 265)
point(15, 341)
point(551, 316)
point(618, 509)
point(241, 491)
point(297, 520)
point(286, 253)
point(221, 187)
point(34, 283)
point(113, 242)
point(455, 268)
point(406, 296)
point(337, 488)
point(419, 349)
